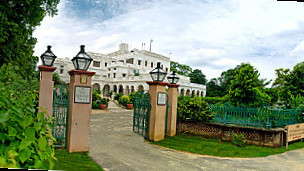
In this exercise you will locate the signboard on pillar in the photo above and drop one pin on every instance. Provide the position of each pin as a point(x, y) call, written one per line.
point(82, 94)
point(161, 98)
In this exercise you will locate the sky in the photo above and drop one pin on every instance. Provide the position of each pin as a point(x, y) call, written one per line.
point(209, 35)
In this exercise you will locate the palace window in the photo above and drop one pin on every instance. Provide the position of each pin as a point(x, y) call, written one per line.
point(109, 69)
point(146, 63)
point(130, 61)
point(106, 64)
point(114, 75)
point(166, 69)
point(108, 75)
point(151, 64)
point(114, 68)
point(96, 64)
point(61, 71)
point(139, 62)
point(124, 75)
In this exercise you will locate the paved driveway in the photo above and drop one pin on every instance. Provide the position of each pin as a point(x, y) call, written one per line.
point(114, 146)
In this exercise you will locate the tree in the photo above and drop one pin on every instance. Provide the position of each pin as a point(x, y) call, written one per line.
point(180, 69)
point(214, 89)
point(18, 19)
point(225, 80)
point(246, 88)
point(197, 77)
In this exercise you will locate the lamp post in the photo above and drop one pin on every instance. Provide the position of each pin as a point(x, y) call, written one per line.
point(46, 84)
point(80, 102)
point(48, 57)
point(82, 60)
point(157, 90)
point(158, 74)
point(173, 78)
point(172, 113)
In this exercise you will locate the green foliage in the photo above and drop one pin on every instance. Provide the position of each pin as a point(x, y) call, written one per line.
point(124, 100)
point(180, 69)
point(198, 77)
point(96, 95)
point(238, 140)
point(214, 89)
point(104, 101)
point(132, 97)
point(273, 94)
point(296, 102)
point(225, 80)
point(246, 89)
point(117, 96)
point(26, 141)
point(57, 80)
point(194, 109)
point(215, 100)
point(18, 19)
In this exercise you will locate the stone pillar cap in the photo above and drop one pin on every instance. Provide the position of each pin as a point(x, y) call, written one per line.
point(46, 68)
point(157, 83)
point(80, 72)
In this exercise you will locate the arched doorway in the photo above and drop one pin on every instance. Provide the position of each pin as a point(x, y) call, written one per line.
point(132, 89)
point(106, 90)
point(193, 93)
point(115, 89)
point(120, 89)
point(96, 86)
point(188, 92)
point(202, 94)
point(140, 88)
point(182, 93)
point(127, 90)
point(197, 93)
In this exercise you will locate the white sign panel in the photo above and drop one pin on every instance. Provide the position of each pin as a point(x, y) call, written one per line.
point(82, 94)
point(161, 99)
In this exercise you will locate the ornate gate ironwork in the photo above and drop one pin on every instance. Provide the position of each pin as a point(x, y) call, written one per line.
point(60, 113)
point(141, 116)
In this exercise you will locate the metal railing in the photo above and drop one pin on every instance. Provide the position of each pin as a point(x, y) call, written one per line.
point(263, 117)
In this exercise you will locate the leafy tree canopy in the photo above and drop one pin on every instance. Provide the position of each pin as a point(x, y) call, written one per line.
point(214, 89)
point(180, 69)
point(18, 19)
point(246, 88)
point(197, 77)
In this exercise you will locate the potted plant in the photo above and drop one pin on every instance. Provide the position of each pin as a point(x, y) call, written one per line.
point(104, 103)
point(129, 106)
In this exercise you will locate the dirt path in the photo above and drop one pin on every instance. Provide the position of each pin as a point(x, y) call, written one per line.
point(114, 146)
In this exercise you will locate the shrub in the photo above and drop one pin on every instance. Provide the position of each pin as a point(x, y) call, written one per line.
point(105, 101)
point(194, 109)
point(124, 100)
point(96, 95)
point(26, 140)
point(132, 97)
point(214, 100)
point(117, 96)
point(238, 140)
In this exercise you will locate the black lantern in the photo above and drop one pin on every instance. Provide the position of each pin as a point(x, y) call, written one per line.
point(158, 74)
point(82, 60)
point(48, 57)
point(173, 78)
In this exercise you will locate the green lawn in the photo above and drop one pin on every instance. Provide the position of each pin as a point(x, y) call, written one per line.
point(201, 145)
point(74, 161)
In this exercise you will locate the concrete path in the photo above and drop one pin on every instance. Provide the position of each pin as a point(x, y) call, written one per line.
point(114, 146)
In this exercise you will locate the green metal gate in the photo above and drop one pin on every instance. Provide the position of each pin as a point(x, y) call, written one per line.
point(141, 116)
point(166, 120)
point(60, 113)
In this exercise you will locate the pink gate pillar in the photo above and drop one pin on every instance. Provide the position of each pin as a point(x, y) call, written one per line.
point(80, 102)
point(158, 94)
point(172, 113)
point(46, 85)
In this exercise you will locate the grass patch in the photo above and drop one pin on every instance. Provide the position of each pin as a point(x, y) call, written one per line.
point(201, 145)
point(74, 161)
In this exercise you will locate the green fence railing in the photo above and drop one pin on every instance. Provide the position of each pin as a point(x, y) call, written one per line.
point(264, 117)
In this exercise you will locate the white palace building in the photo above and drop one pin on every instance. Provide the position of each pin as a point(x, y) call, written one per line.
point(126, 71)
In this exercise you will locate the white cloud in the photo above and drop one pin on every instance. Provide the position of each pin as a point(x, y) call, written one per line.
point(209, 35)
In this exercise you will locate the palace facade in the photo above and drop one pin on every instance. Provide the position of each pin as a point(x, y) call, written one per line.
point(126, 71)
